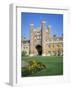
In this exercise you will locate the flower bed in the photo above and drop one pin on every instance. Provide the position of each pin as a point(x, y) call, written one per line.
point(33, 67)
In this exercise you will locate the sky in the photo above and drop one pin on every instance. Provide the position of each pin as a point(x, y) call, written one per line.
point(54, 20)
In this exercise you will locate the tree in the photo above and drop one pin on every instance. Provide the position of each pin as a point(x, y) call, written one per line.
point(24, 53)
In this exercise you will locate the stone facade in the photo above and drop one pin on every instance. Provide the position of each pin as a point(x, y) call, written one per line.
point(25, 46)
point(42, 42)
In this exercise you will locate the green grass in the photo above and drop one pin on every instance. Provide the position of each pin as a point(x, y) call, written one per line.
point(54, 65)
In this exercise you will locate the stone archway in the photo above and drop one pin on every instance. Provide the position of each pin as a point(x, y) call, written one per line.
point(39, 49)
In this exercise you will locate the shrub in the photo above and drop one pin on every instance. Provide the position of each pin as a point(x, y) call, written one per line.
point(33, 67)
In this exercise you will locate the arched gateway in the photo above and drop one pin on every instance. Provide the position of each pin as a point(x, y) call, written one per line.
point(39, 49)
point(37, 39)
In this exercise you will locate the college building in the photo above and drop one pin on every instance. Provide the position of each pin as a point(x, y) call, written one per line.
point(42, 42)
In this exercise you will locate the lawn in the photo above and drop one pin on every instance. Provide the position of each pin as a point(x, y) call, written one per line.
point(54, 65)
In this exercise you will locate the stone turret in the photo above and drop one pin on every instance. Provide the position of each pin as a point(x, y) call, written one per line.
point(43, 30)
point(31, 39)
